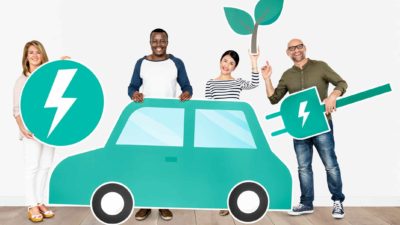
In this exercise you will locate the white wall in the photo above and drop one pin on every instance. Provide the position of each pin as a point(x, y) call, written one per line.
point(359, 39)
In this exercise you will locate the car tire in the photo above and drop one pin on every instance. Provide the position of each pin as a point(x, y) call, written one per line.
point(248, 202)
point(102, 208)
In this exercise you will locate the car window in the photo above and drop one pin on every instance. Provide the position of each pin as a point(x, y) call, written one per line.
point(222, 129)
point(154, 126)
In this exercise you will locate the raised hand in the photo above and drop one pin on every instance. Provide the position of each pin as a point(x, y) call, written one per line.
point(266, 71)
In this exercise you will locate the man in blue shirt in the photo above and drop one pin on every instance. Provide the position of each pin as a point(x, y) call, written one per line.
point(157, 75)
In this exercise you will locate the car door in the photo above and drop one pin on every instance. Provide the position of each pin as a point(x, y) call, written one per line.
point(153, 139)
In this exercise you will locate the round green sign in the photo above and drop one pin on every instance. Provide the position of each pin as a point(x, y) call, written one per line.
point(62, 103)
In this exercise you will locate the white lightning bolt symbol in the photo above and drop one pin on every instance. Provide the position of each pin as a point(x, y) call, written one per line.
point(302, 111)
point(56, 100)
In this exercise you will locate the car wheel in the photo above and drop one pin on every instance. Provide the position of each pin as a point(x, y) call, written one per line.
point(248, 202)
point(112, 203)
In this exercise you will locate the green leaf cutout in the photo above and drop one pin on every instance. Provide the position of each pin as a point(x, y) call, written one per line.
point(268, 11)
point(240, 21)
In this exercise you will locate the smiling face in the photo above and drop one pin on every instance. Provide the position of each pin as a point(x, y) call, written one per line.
point(227, 65)
point(296, 50)
point(159, 43)
point(34, 57)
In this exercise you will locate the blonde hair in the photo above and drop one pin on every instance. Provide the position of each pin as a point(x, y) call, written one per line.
point(25, 62)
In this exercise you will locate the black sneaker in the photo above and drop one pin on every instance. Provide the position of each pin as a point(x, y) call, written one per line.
point(337, 211)
point(301, 209)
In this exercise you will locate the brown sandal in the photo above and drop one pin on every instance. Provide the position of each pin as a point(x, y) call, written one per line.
point(45, 212)
point(34, 217)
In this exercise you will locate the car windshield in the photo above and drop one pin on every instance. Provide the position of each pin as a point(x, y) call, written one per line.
point(222, 129)
point(154, 127)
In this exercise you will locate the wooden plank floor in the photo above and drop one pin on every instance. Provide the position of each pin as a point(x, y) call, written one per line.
point(321, 216)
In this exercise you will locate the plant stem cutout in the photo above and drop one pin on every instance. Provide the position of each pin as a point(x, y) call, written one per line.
point(265, 13)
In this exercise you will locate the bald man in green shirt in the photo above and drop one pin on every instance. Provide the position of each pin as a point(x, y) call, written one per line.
point(306, 73)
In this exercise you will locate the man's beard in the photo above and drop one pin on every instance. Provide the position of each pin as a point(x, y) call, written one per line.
point(298, 58)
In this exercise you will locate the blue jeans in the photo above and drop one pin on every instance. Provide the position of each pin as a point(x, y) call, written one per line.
point(325, 145)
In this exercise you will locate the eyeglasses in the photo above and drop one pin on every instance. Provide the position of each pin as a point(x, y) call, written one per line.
point(293, 48)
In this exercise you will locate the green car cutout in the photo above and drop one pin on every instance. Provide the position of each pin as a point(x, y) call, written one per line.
point(164, 153)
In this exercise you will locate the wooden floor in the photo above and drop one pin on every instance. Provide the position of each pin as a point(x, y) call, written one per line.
point(321, 216)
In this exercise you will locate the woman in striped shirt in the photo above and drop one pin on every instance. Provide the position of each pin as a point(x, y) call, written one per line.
point(227, 87)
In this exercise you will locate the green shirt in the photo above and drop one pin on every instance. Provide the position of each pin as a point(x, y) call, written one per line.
point(314, 73)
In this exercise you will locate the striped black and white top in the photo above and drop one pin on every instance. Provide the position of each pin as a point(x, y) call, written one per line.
point(230, 89)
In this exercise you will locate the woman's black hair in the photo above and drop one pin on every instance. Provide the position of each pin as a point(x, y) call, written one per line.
point(233, 54)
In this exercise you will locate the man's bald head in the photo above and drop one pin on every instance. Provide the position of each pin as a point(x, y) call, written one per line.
point(296, 50)
point(294, 42)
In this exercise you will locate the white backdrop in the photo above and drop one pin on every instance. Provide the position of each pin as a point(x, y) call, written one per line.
point(359, 39)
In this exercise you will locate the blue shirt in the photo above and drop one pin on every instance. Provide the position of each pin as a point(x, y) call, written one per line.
point(159, 78)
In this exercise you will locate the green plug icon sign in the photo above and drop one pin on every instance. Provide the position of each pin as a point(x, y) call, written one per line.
point(303, 113)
